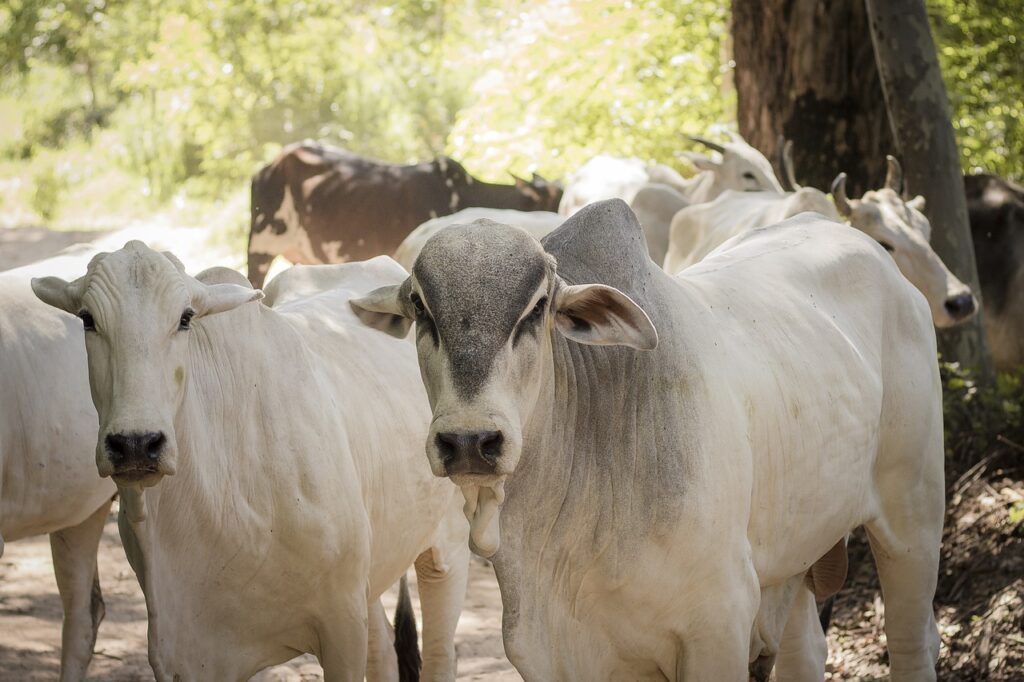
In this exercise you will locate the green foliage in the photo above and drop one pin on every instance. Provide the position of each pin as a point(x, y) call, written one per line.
point(979, 418)
point(980, 43)
point(47, 192)
point(569, 80)
point(193, 95)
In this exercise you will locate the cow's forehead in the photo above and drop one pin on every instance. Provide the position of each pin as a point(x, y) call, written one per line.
point(132, 270)
point(477, 279)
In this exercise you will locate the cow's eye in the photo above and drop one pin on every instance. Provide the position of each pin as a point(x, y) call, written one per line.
point(185, 323)
point(87, 322)
point(538, 310)
point(748, 176)
point(417, 304)
point(886, 245)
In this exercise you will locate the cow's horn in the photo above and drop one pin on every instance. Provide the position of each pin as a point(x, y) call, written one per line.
point(839, 195)
point(787, 165)
point(708, 143)
point(894, 174)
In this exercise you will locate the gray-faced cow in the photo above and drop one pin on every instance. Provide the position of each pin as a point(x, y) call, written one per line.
point(996, 210)
point(318, 204)
point(266, 461)
point(654, 463)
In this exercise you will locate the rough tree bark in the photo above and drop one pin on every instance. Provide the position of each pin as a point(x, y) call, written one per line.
point(920, 116)
point(806, 69)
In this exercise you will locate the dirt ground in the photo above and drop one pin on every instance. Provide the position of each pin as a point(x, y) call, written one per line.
point(980, 601)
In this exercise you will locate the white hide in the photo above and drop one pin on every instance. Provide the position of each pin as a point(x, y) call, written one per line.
point(48, 480)
point(299, 491)
point(699, 229)
point(537, 223)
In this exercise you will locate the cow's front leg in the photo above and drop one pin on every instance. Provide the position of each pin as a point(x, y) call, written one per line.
point(343, 638)
point(74, 564)
point(715, 642)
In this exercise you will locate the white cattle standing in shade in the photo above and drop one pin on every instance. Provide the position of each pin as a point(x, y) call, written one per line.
point(741, 168)
point(898, 225)
point(654, 463)
point(48, 483)
point(269, 462)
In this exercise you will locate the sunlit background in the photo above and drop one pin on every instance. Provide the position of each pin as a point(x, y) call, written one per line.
point(113, 111)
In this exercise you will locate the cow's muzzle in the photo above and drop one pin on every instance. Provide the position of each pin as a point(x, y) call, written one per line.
point(469, 452)
point(135, 455)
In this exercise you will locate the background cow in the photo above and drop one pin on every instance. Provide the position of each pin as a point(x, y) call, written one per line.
point(319, 204)
point(48, 480)
point(641, 506)
point(996, 209)
point(268, 491)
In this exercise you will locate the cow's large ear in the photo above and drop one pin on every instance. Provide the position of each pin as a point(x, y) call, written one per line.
point(58, 292)
point(917, 203)
point(219, 298)
point(702, 162)
point(382, 309)
point(599, 315)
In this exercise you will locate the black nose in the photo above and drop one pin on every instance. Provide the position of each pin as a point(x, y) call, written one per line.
point(474, 452)
point(135, 450)
point(960, 306)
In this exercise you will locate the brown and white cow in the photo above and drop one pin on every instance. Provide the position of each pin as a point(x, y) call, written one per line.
point(317, 204)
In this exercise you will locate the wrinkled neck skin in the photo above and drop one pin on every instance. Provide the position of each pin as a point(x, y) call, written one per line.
point(564, 559)
point(208, 543)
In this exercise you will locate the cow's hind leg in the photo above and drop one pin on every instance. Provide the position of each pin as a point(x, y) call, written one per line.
point(441, 575)
point(803, 650)
point(905, 542)
point(381, 664)
point(74, 564)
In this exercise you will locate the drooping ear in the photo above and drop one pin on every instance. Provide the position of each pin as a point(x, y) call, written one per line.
point(702, 162)
point(599, 315)
point(219, 298)
point(382, 309)
point(917, 203)
point(59, 293)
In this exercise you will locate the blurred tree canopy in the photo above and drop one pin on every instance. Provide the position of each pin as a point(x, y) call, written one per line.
point(196, 94)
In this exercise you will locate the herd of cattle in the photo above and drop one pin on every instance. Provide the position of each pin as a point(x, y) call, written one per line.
point(665, 407)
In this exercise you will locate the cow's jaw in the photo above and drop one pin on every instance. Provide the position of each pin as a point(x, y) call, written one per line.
point(484, 496)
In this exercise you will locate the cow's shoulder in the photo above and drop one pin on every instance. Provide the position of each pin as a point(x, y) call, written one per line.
point(305, 281)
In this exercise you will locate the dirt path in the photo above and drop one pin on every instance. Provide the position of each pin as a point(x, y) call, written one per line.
point(30, 617)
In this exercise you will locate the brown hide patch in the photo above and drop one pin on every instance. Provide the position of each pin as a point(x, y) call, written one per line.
point(827, 575)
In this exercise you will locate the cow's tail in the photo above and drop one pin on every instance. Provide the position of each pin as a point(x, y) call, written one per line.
point(406, 645)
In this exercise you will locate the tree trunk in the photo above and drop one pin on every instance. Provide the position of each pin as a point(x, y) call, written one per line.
point(806, 69)
point(919, 112)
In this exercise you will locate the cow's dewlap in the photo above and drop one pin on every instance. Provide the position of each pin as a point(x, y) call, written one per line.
point(482, 509)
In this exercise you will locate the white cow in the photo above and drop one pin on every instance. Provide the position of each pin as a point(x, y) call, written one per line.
point(741, 168)
point(654, 463)
point(47, 480)
point(267, 463)
point(898, 225)
point(655, 205)
point(537, 223)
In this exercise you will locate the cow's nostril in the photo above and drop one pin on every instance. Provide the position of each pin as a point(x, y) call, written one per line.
point(117, 447)
point(490, 444)
point(154, 443)
point(447, 446)
point(960, 306)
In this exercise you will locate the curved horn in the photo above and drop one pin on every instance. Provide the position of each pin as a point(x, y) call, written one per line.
point(787, 165)
point(839, 195)
point(708, 143)
point(894, 174)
